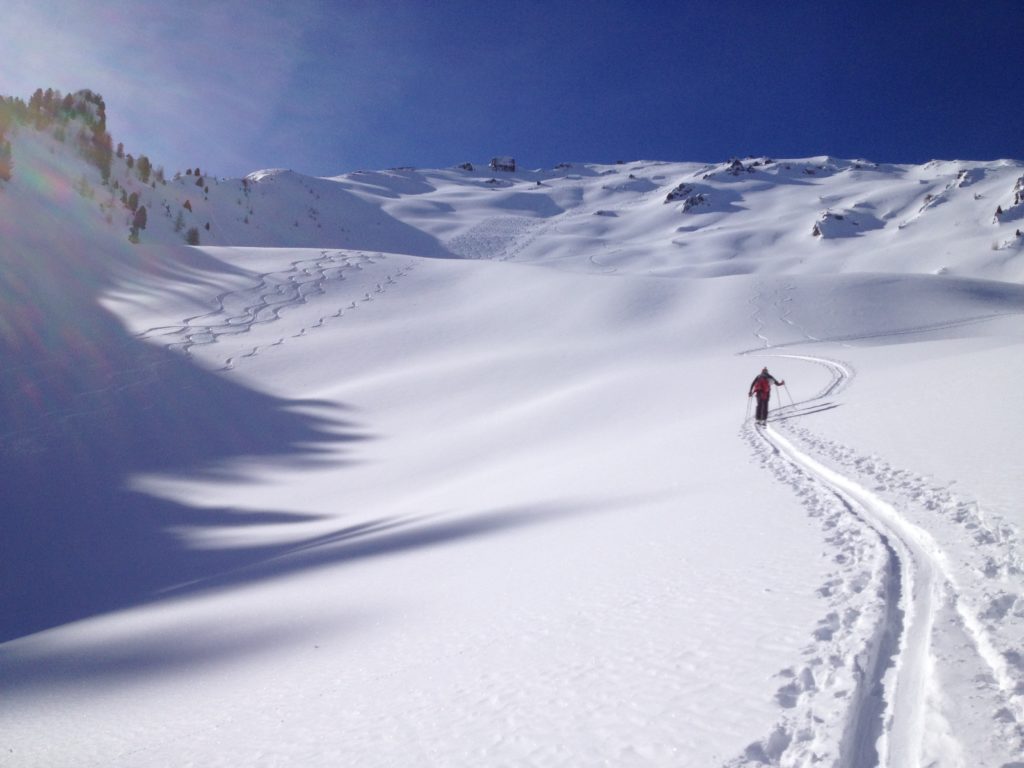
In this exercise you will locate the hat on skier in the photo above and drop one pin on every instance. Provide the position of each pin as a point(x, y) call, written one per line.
point(764, 370)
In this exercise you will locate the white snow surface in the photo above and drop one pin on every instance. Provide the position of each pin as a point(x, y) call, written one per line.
point(456, 468)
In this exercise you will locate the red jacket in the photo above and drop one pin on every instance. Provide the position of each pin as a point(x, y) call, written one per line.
point(762, 385)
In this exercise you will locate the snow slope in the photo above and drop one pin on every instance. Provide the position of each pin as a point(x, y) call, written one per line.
point(449, 467)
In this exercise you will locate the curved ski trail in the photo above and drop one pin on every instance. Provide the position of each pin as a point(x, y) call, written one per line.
point(904, 680)
point(913, 628)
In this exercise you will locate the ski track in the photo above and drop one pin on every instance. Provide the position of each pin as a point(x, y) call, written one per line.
point(240, 310)
point(500, 238)
point(236, 312)
point(896, 611)
point(871, 678)
point(504, 238)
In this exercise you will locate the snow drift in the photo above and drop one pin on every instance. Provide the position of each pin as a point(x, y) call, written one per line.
point(440, 467)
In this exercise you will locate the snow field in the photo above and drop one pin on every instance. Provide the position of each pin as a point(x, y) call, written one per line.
point(944, 605)
point(337, 500)
point(471, 468)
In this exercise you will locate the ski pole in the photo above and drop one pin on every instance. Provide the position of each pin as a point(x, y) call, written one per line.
point(747, 417)
point(789, 395)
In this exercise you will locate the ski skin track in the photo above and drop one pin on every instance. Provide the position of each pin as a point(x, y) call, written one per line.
point(923, 582)
point(865, 723)
point(906, 680)
point(842, 374)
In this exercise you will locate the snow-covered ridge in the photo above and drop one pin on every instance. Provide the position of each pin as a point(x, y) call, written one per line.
point(966, 214)
point(447, 466)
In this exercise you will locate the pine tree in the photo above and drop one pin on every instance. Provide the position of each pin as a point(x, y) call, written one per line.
point(144, 168)
point(7, 116)
point(35, 103)
point(6, 161)
point(102, 153)
point(138, 222)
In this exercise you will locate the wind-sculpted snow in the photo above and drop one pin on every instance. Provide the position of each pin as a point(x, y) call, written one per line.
point(416, 467)
point(738, 217)
point(846, 223)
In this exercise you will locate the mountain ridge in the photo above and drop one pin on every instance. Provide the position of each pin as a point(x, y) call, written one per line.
point(425, 211)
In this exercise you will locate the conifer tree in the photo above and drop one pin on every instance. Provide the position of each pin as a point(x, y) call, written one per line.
point(144, 168)
point(138, 223)
point(139, 220)
point(6, 161)
point(102, 153)
point(35, 103)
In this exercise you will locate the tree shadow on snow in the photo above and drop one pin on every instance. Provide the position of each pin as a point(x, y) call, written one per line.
point(84, 407)
point(162, 647)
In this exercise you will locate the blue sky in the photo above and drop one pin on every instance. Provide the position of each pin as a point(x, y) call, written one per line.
point(329, 87)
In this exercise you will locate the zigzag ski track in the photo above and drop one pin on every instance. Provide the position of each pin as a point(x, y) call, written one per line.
point(240, 310)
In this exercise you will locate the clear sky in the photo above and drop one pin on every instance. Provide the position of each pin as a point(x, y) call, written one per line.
point(329, 87)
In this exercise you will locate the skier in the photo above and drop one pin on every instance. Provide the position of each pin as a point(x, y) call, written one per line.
point(762, 387)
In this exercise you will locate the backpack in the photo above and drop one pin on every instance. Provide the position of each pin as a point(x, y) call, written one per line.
point(762, 386)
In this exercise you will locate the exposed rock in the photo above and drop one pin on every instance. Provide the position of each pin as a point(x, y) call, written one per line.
point(693, 201)
point(679, 193)
point(687, 194)
point(849, 223)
